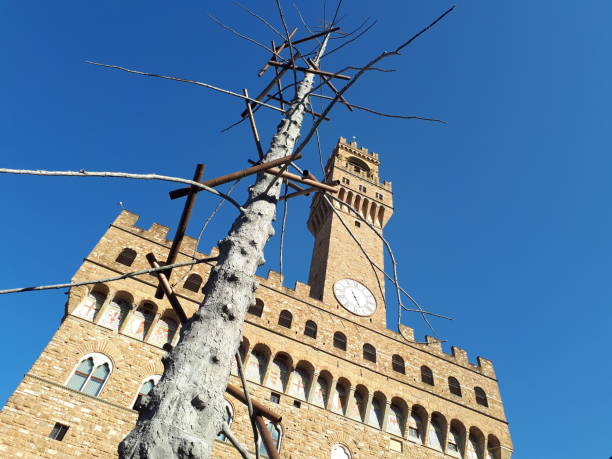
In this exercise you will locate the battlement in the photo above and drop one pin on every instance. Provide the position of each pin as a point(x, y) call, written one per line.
point(301, 292)
point(358, 161)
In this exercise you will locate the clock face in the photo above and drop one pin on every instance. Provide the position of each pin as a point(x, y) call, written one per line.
point(355, 297)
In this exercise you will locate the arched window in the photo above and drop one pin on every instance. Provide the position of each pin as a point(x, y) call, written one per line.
point(126, 257)
point(376, 412)
point(357, 406)
point(369, 353)
point(89, 308)
point(339, 397)
point(339, 451)
point(145, 389)
point(427, 375)
point(435, 434)
point(193, 283)
point(493, 447)
point(257, 308)
point(474, 448)
point(395, 423)
point(285, 318)
point(90, 374)
point(340, 341)
point(256, 366)
point(115, 313)
point(276, 433)
point(454, 442)
point(228, 416)
point(415, 427)
point(310, 329)
point(454, 386)
point(398, 364)
point(321, 391)
point(279, 373)
point(141, 321)
point(481, 396)
point(299, 383)
point(164, 331)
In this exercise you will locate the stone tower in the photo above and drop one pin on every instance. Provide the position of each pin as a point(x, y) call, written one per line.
point(341, 275)
point(320, 354)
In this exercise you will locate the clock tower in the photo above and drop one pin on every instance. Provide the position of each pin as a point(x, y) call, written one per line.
point(341, 275)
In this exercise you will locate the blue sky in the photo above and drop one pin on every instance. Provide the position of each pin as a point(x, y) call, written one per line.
point(501, 218)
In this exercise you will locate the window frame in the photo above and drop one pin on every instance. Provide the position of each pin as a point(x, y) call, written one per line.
point(260, 443)
point(285, 319)
point(340, 341)
point(189, 283)
point(310, 331)
point(481, 397)
point(256, 309)
point(98, 360)
point(369, 353)
point(126, 252)
point(154, 378)
point(454, 386)
point(427, 376)
point(60, 431)
point(395, 364)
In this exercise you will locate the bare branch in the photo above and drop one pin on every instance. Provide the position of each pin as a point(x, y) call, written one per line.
point(234, 441)
point(357, 37)
point(267, 23)
point(238, 34)
point(108, 279)
point(304, 22)
point(287, 38)
point(249, 404)
point(84, 173)
point(282, 236)
point(183, 80)
point(377, 69)
point(372, 63)
point(387, 115)
point(421, 311)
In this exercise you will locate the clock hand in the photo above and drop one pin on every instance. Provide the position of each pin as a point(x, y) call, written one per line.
point(355, 296)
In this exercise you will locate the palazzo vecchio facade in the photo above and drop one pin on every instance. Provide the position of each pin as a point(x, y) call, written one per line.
point(319, 354)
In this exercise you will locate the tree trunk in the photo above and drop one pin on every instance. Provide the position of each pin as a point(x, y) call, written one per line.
point(185, 411)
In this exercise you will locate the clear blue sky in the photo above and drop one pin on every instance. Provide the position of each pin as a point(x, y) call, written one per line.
point(502, 216)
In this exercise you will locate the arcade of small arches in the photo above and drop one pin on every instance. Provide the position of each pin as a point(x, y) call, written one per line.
point(368, 209)
point(285, 319)
point(394, 415)
point(120, 312)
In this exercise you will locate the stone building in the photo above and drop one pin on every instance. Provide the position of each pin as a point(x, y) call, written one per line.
point(319, 354)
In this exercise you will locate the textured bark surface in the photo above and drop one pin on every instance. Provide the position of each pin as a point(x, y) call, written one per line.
point(185, 410)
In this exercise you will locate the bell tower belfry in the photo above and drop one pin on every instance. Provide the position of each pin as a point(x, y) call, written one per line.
point(340, 274)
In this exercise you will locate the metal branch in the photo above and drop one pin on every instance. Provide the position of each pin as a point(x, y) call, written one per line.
point(387, 115)
point(108, 279)
point(84, 173)
point(267, 23)
point(287, 38)
point(183, 80)
point(377, 69)
point(282, 236)
point(357, 37)
point(304, 22)
point(245, 389)
point(372, 63)
point(238, 34)
point(234, 441)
